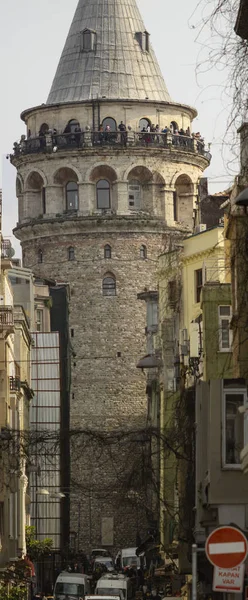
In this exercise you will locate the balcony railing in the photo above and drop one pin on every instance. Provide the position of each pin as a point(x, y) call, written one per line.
point(88, 139)
point(6, 249)
point(14, 384)
point(6, 316)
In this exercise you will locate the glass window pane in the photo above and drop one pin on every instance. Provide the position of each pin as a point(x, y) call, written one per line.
point(234, 428)
point(103, 183)
point(72, 186)
point(225, 333)
point(72, 200)
point(103, 199)
point(109, 286)
point(225, 311)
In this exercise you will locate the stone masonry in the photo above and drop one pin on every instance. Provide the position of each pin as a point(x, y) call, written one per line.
point(107, 332)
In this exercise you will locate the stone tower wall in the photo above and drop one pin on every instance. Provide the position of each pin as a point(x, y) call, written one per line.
point(107, 333)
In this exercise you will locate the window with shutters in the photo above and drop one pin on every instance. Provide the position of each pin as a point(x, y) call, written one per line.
point(225, 333)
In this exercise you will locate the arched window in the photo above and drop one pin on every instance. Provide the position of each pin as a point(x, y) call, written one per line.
point(143, 124)
point(72, 196)
point(134, 194)
point(71, 126)
point(107, 251)
point(143, 252)
point(109, 285)
point(103, 194)
point(174, 126)
point(43, 129)
point(40, 256)
point(109, 122)
point(71, 253)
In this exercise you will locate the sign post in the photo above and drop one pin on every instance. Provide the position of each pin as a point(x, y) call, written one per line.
point(229, 580)
point(194, 572)
point(226, 548)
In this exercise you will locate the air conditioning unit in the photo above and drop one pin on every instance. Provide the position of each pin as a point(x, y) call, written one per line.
point(201, 227)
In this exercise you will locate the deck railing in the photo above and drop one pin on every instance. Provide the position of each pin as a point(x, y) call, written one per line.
point(115, 139)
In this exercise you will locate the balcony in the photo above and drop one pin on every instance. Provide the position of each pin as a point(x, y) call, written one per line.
point(102, 139)
point(6, 320)
point(14, 384)
point(6, 254)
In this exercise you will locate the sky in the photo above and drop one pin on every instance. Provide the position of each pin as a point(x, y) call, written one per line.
point(32, 35)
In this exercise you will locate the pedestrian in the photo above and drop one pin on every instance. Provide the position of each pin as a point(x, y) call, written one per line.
point(77, 132)
point(122, 128)
point(107, 133)
point(155, 595)
point(157, 130)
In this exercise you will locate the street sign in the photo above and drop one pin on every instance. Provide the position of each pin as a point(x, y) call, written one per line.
point(226, 547)
point(229, 580)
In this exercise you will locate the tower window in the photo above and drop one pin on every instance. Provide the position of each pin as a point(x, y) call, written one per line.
point(44, 128)
point(71, 126)
point(134, 194)
point(107, 251)
point(109, 285)
point(88, 40)
point(103, 194)
point(71, 196)
point(144, 123)
point(71, 253)
point(143, 38)
point(44, 200)
point(143, 252)
point(110, 123)
point(174, 126)
point(40, 256)
point(175, 211)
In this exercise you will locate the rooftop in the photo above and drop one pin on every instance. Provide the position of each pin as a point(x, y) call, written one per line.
point(107, 54)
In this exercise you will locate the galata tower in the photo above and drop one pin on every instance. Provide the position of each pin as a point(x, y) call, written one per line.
point(104, 184)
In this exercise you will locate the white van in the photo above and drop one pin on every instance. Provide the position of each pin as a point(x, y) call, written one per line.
point(105, 561)
point(127, 558)
point(71, 585)
point(114, 585)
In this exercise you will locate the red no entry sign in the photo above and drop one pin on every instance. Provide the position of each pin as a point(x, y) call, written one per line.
point(226, 547)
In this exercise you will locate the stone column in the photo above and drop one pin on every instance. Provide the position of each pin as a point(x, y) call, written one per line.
point(87, 198)
point(169, 207)
point(55, 201)
point(23, 484)
point(121, 197)
point(87, 137)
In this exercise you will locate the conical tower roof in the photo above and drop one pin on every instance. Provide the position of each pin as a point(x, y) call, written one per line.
point(120, 63)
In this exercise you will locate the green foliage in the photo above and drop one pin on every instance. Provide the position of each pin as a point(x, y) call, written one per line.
point(36, 548)
point(13, 593)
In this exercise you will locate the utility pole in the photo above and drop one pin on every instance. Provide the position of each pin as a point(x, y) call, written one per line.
point(195, 550)
point(194, 572)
